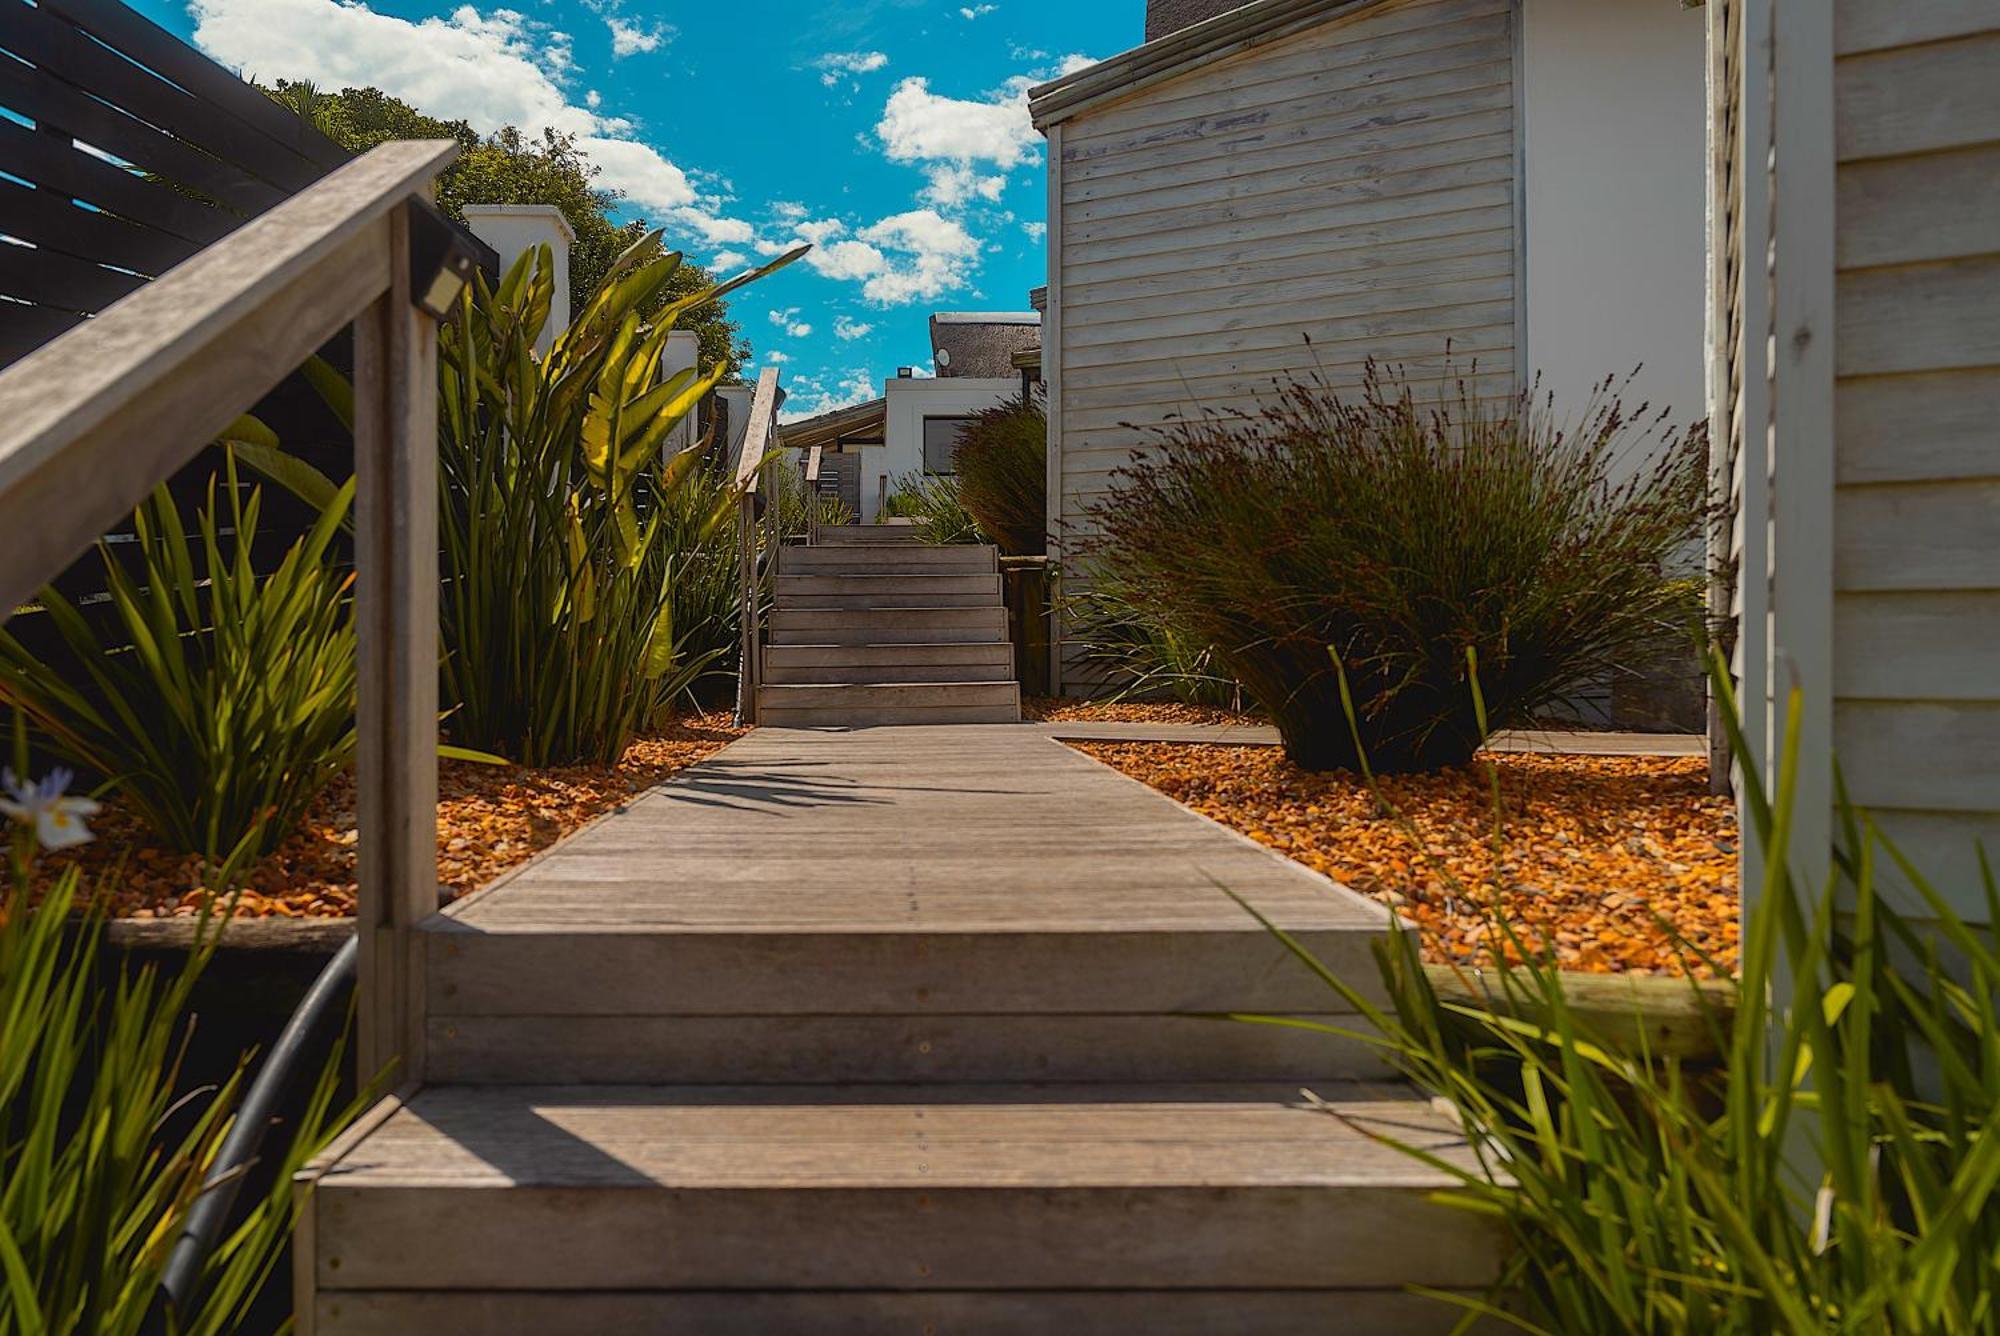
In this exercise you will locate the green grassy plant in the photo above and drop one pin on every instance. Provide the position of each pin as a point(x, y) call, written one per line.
point(216, 701)
point(1141, 656)
point(100, 1161)
point(1405, 528)
point(1836, 1174)
point(933, 501)
point(1002, 462)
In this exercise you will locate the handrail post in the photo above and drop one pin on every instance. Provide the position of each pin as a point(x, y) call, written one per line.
point(750, 465)
point(396, 559)
point(812, 497)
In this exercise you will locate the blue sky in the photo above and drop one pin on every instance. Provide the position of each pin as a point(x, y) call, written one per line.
point(892, 133)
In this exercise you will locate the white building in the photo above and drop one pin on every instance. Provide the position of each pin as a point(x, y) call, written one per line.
point(1523, 182)
point(981, 360)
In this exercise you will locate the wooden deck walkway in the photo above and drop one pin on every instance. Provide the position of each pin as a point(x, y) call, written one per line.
point(902, 1028)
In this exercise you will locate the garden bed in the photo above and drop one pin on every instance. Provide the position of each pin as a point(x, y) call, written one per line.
point(1072, 710)
point(1617, 863)
point(490, 818)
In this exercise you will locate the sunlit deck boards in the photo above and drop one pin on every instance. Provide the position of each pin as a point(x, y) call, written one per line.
point(892, 1029)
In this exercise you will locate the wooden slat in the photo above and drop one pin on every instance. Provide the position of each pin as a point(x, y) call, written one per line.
point(54, 165)
point(48, 220)
point(39, 35)
point(1919, 428)
point(105, 127)
point(50, 278)
point(143, 41)
point(89, 422)
point(1931, 317)
point(1938, 206)
point(1877, 25)
point(1918, 536)
point(1924, 755)
point(1918, 99)
point(1941, 646)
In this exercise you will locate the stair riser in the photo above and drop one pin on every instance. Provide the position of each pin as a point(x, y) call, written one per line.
point(891, 696)
point(868, 535)
point(779, 675)
point(975, 584)
point(894, 560)
point(888, 974)
point(887, 716)
point(887, 598)
point(865, 656)
point(820, 1050)
point(634, 1236)
point(881, 634)
point(992, 1313)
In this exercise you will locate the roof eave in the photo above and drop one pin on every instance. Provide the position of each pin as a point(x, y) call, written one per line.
point(1167, 57)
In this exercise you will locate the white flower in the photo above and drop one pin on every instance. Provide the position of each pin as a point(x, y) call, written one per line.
point(57, 820)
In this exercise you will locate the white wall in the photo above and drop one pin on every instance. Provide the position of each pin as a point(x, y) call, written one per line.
point(910, 402)
point(1615, 147)
point(511, 229)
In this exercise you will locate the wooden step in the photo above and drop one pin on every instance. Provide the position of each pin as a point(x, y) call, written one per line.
point(899, 590)
point(986, 662)
point(888, 558)
point(870, 535)
point(1013, 1201)
point(1185, 1312)
point(890, 695)
point(886, 626)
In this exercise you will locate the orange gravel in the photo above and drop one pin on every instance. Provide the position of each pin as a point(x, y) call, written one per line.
point(1613, 862)
point(490, 818)
point(1071, 710)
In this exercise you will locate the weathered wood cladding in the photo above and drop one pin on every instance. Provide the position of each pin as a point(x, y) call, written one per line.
point(1917, 424)
point(1353, 183)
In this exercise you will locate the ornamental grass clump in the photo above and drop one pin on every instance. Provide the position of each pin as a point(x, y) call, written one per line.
point(933, 503)
point(217, 701)
point(1402, 528)
point(103, 1155)
point(1002, 461)
point(1839, 1172)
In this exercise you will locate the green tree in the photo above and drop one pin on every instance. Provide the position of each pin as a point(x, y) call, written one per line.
point(511, 167)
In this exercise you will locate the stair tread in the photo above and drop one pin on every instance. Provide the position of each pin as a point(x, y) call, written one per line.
point(887, 1137)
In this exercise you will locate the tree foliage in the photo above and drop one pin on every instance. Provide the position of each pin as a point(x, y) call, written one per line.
point(512, 167)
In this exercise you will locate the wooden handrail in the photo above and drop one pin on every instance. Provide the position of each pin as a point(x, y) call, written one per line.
point(750, 465)
point(757, 433)
point(91, 421)
point(812, 465)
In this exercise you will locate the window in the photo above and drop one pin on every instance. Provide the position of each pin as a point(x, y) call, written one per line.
point(940, 440)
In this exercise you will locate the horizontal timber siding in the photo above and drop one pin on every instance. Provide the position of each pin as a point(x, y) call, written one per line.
point(1353, 183)
point(1917, 506)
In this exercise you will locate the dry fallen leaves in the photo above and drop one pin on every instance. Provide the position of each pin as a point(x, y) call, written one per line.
point(490, 818)
point(1614, 863)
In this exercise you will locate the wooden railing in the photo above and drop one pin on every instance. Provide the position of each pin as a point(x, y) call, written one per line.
point(812, 497)
point(756, 535)
point(92, 421)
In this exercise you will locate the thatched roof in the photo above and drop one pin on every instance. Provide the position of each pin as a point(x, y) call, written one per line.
point(982, 343)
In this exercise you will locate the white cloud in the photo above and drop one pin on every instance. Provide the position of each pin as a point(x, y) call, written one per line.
point(809, 396)
point(631, 39)
point(788, 320)
point(907, 257)
point(954, 184)
point(836, 67)
point(846, 328)
point(776, 358)
point(724, 262)
point(971, 12)
point(918, 125)
point(491, 69)
point(1035, 231)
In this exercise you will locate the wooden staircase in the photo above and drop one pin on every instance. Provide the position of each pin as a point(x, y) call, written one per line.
point(872, 626)
point(889, 1030)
